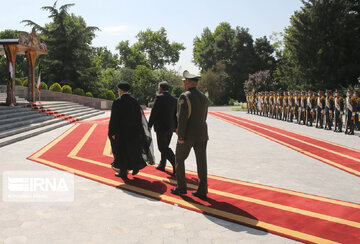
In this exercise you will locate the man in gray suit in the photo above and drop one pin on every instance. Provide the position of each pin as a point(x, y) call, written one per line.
point(192, 133)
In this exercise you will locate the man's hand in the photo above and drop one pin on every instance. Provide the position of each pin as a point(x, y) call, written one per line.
point(113, 137)
point(181, 141)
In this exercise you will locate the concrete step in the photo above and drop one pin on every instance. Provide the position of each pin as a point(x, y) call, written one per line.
point(23, 128)
point(22, 117)
point(54, 106)
point(83, 117)
point(71, 109)
point(19, 122)
point(4, 116)
point(27, 134)
point(9, 126)
point(78, 112)
point(83, 113)
point(10, 110)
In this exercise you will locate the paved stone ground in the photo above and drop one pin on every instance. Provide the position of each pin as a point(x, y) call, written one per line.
point(103, 214)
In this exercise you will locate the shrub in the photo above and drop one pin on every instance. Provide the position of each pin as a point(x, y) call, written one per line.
point(110, 95)
point(66, 89)
point(55, 87)
point(18, 82)
point(103, 95)
point(79, 91)
point(89, 94)
point(43, 86)
point(231, 101)
point(150, 104)
point(177, 90)
point(25, 83)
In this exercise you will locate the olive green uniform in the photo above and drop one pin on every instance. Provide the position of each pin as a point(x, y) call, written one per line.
point(192, 128)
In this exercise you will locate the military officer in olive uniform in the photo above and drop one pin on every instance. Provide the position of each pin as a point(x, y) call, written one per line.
point(329, 108)
point(339, 110)
point(320, 106)
point(310, 105)
point(357, 119)
point(350, 110)
point(192, 133)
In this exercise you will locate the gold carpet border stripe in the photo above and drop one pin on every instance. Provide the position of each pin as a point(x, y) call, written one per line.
point(198, 207)
point(332, 143)
point(295, 148)
point(82, 142)
point(295, 139)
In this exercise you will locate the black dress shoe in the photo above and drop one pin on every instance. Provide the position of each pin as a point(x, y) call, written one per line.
point(177, 191)
point(121, 175)
point(161, 167)
point(201, 196)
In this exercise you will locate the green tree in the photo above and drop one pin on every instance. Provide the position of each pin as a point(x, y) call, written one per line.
point(322, 46)
point(102, 58)
point(68, 40)
point(153, 50)
point(177, 90)
point(144, 85)
point(230, 54)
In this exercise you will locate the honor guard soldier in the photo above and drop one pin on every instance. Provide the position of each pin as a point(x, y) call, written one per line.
point(247, 102)
point(279, 104)
point(320, 107)
point(302, 109)
point(290, 106)
point(266, 104)
point(357, 117)
point(310, 105)
point(329, 110)
point(339, 110)
point(254, 102)
point(261, 103)
point(285, 106)
point(297, 99)
point(350, 111)
point(273, 111)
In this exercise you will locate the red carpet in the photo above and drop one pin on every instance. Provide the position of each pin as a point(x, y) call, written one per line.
point(344, 158)
point(84, 150)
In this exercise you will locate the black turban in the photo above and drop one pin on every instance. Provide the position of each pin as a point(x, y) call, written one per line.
point(124, 86)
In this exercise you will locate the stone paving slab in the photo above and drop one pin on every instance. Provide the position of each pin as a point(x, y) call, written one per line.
point(103, 214)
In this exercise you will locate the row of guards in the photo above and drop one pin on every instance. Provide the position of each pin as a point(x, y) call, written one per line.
point(324, 109)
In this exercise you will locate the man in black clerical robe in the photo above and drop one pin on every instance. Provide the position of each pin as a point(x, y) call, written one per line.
point(129, 135)
point(163, 117)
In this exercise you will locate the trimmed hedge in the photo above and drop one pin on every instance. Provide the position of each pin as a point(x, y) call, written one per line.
point(66, 89)
point(110, 95)
point(43, 86)
point(18, 82)
point(79, 91)
point(89, 94)
point(55, 87)
point(102, 95)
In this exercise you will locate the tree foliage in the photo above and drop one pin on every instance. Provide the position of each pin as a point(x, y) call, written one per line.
point(152, 49)
point(68, 40)
point(322, 46)
point(232, 55)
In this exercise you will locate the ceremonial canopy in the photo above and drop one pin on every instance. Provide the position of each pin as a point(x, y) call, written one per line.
point(29, 45)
